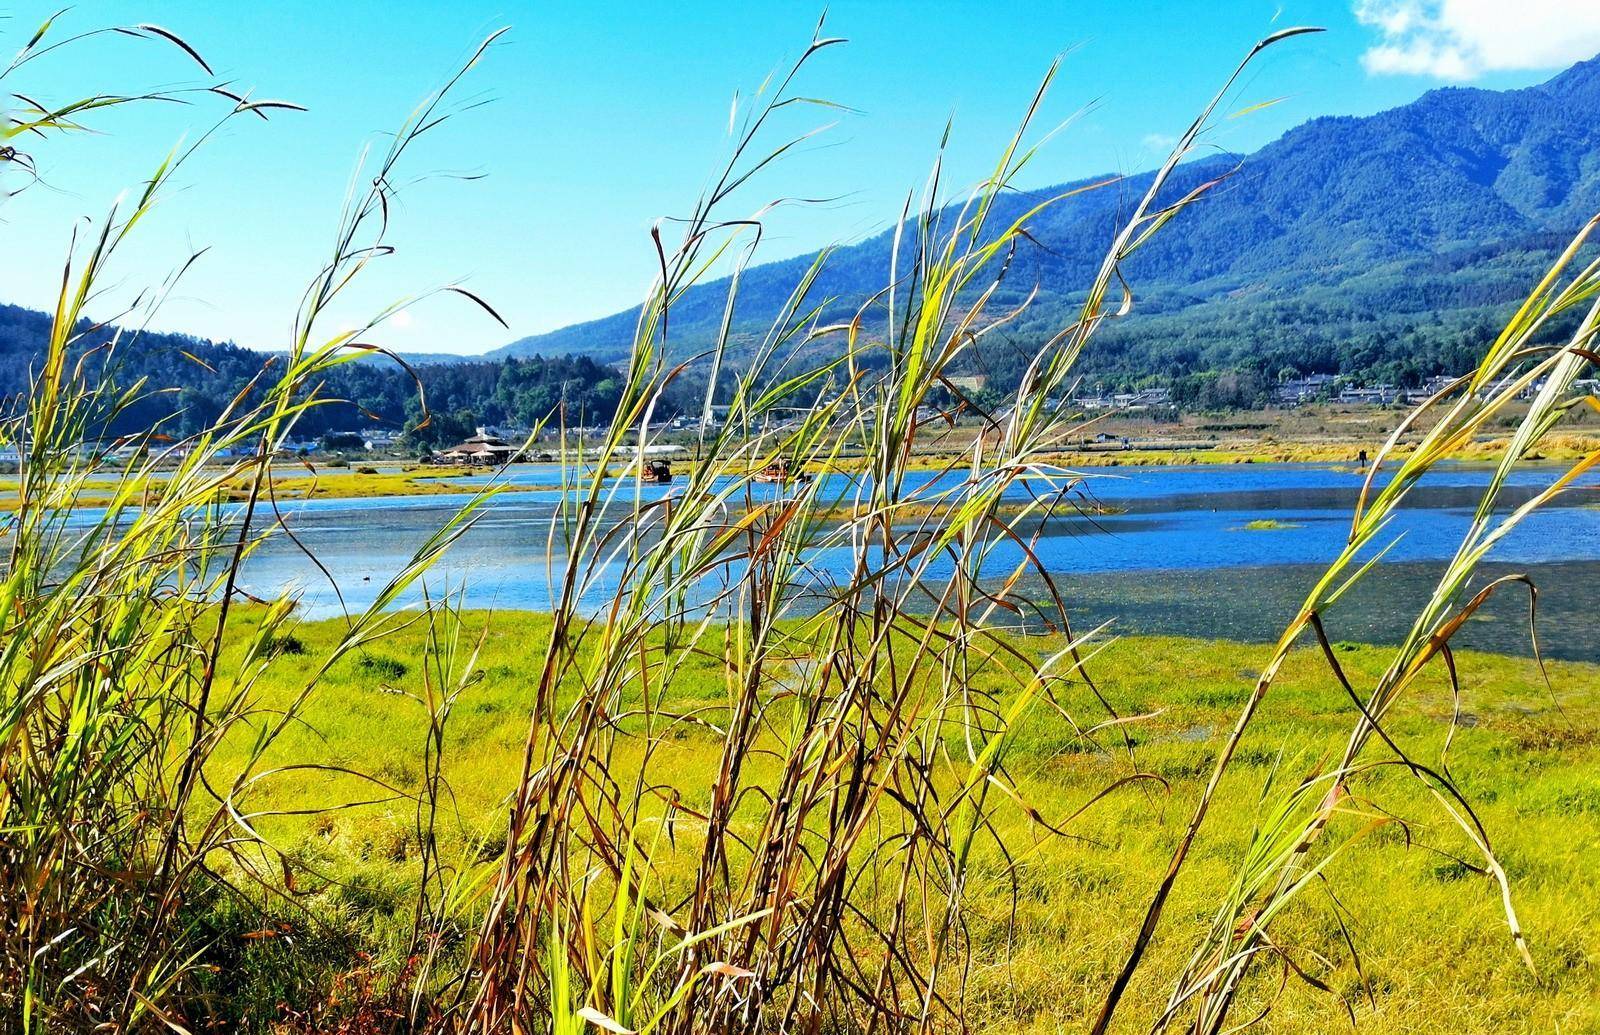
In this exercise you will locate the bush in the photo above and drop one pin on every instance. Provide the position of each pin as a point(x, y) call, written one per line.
point(382, 667)
point(286, 645)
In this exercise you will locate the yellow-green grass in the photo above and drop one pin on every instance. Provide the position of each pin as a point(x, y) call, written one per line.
point(390, 480)
point(353, 484)
point(324, 483)
point(1050, 926)
point(1569, 447)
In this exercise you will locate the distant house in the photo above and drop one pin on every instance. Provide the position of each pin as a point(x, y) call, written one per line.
point(1380, 395)
point(653, 449)
point(1300, 390)
point(481, 450)
point(1143, 399)
point(1427, 389)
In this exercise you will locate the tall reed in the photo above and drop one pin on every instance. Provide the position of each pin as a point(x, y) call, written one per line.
point(1292, 846)
point(862, 758)
point(115, 837)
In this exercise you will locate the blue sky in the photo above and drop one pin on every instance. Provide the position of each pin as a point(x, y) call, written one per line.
point(608, 115)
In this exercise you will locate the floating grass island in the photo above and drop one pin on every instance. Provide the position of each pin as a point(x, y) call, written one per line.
point(1267, 525)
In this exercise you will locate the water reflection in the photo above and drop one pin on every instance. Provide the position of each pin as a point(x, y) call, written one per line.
point(1174, 556)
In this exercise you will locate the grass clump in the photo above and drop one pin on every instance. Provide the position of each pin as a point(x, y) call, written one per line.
point(381, 667)
point(117, 848)
point(287, 644)
point(1267, 525)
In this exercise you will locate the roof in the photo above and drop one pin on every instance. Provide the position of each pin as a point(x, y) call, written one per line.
point(478, 447)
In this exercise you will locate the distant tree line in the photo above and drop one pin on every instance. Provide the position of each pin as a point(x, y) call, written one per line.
point(1395, 325)
point(188, 381)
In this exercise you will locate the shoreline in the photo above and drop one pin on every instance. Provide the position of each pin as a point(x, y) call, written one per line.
point(398, 479)
point(529, 621)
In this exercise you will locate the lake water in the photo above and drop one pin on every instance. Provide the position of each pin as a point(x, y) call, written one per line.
point(1173, 556)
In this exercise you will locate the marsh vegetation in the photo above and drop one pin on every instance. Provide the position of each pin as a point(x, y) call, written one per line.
point(701, 807)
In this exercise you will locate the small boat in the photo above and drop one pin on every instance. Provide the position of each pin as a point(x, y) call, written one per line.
point(658, 472)
point(781, 471)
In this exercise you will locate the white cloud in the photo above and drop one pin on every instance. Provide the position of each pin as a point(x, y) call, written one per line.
point(1160, 143)
point(1463, 39)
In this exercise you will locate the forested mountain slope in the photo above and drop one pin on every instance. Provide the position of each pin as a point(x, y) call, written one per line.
point(1380, 246)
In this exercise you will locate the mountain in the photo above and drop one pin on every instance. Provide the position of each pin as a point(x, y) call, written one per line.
point(1386, 244)
point(1386, 248)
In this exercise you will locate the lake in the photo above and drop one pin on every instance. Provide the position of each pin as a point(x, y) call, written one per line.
point(1172, 555)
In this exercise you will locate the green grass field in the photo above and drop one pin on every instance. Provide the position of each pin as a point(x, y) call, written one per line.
point(1049, 925)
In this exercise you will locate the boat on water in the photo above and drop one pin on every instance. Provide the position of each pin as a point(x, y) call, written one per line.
point(782, 471)
point(658, 472)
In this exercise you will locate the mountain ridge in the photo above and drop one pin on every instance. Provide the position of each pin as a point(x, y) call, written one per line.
point(1384, 248)
point(1329, 202)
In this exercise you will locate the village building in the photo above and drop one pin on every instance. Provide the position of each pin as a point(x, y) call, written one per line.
point(481, 450)
point(1378, 395)
point(1301, 390)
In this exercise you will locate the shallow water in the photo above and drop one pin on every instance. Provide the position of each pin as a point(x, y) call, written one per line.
point(1173, 556)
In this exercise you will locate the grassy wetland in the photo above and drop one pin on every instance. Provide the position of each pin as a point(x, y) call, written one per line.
point(1041, 922)
point(680, 801)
